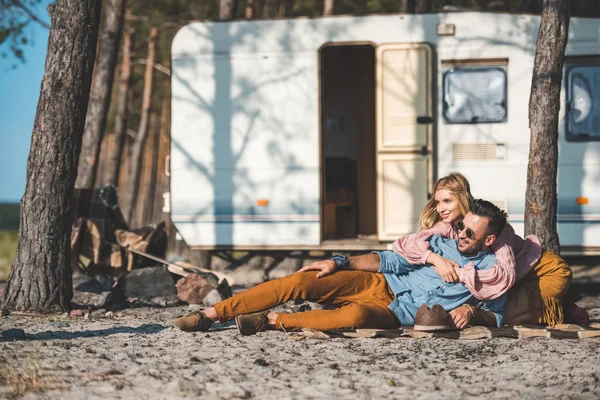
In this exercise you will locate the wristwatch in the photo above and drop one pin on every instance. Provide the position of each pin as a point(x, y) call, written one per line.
point(342, 263)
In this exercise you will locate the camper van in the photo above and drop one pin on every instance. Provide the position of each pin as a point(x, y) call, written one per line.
point(329, 133)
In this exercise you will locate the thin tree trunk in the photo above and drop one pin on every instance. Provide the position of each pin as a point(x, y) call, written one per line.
point(122, 110)
point(267, 8)
point(138, 147)
point(424, 6)
point(227, 9)
point(250, 9)
point(286, 8)
point(328, 7)
point(544, 105)
point(104, 72)
point(40, 279)
point(151, 186)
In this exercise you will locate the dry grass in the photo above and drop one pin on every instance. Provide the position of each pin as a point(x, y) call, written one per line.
point(26, 379)
point(8, 248)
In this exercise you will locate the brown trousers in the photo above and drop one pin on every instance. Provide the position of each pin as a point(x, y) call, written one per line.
point(362, 298)
point(537, 298)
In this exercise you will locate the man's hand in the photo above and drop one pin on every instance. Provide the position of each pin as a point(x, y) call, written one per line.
point(325, 267)
point(448, 270)
point(461, 316)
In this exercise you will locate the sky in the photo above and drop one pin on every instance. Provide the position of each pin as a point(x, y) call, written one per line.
point(19, 92)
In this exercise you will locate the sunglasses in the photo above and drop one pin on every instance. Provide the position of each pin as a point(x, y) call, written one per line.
point(461, 227)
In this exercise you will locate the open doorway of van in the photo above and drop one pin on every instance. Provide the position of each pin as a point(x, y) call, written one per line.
point(348, 142)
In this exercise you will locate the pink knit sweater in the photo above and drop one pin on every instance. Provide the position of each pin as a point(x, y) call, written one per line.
point(487, 284)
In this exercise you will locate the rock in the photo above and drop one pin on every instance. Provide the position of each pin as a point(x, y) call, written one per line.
point(76, 313)
point(150, 286)
point(13, 334)
point(202, 288)
point(88, 291)
point(212, 298)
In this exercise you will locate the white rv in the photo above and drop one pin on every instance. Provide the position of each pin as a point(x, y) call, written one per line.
point(329, 133)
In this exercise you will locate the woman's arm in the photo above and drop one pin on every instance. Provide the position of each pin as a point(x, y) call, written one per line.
point(492, 283)
point(415, 247)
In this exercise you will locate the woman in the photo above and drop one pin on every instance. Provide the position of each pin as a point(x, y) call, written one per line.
point(543, 277)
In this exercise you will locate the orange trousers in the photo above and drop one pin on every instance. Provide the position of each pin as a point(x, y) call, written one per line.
point(362, 298)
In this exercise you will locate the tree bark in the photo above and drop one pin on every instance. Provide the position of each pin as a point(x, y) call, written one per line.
point(40, 279)
point(138, 147)
point(99, 103)
point(121, 116)
point(424, 6)
point(286, 8)
point(544, 105)
point(227, 9)
point(250, 9)
point(328, 7)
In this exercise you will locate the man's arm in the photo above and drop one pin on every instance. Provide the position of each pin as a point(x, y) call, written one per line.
point(367, 262)
point(470, 315)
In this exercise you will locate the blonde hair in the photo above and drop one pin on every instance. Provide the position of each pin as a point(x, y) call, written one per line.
point(456, 184)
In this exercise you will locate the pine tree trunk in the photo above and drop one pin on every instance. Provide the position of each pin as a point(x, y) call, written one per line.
point(138, 147)
point(424, 6)
point(286, 8)
point(104, 72)
point(250, 9)
point(227, 9)
point(328, 7)
point(121, 116)
point(544, 105)
point(40, 279)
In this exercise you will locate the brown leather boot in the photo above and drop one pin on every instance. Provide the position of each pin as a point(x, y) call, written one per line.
point(194, 322)
point(252, 323)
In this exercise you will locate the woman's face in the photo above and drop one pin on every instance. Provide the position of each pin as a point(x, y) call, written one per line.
point(446, 205)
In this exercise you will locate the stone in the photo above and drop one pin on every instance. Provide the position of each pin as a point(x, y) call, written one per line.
point(13, 334)
point(88, 291)
point(202, 288)
point(150, 286)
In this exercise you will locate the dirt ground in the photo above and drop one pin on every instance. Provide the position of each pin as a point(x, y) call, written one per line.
point(136, 353)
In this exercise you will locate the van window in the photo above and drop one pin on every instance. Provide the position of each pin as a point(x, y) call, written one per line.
point(583, 110)
point(475, 95)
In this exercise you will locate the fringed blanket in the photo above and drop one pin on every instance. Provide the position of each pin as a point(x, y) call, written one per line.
point(561, 331)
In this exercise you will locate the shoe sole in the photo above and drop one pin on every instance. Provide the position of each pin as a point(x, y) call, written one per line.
point(432, 327)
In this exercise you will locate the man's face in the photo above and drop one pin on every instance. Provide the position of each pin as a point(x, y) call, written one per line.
point(476, 227)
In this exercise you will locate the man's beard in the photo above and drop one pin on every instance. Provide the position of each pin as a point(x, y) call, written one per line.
point(471, 249)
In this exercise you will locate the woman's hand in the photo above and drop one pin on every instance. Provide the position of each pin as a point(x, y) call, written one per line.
point(448, 270)
point(325, 267)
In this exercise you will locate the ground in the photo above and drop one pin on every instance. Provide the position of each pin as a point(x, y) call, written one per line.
point(136, 353)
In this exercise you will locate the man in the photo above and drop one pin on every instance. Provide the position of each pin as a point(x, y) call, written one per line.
point(378, 290)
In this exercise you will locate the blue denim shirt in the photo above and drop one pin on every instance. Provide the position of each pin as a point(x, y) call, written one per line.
point(415, 285)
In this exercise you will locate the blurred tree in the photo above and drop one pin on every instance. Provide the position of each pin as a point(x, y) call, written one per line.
point(40, 279)
point(104, 73)
point(544, 106)
point(16, 17)
point(328, 7)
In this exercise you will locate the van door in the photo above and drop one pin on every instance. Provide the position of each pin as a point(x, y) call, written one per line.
point(404, 136)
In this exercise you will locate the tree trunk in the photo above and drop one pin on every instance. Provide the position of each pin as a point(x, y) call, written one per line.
point(328, 6)
point(104, 72)
point(286, 8)
point(227, 9)
point(121, 116)
point(40, 279)
point(424, 6)
point(544, 105)
point(138, 147)
point(267, 8)
point(152, 148)
point(250, 9)
point(411, 6)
